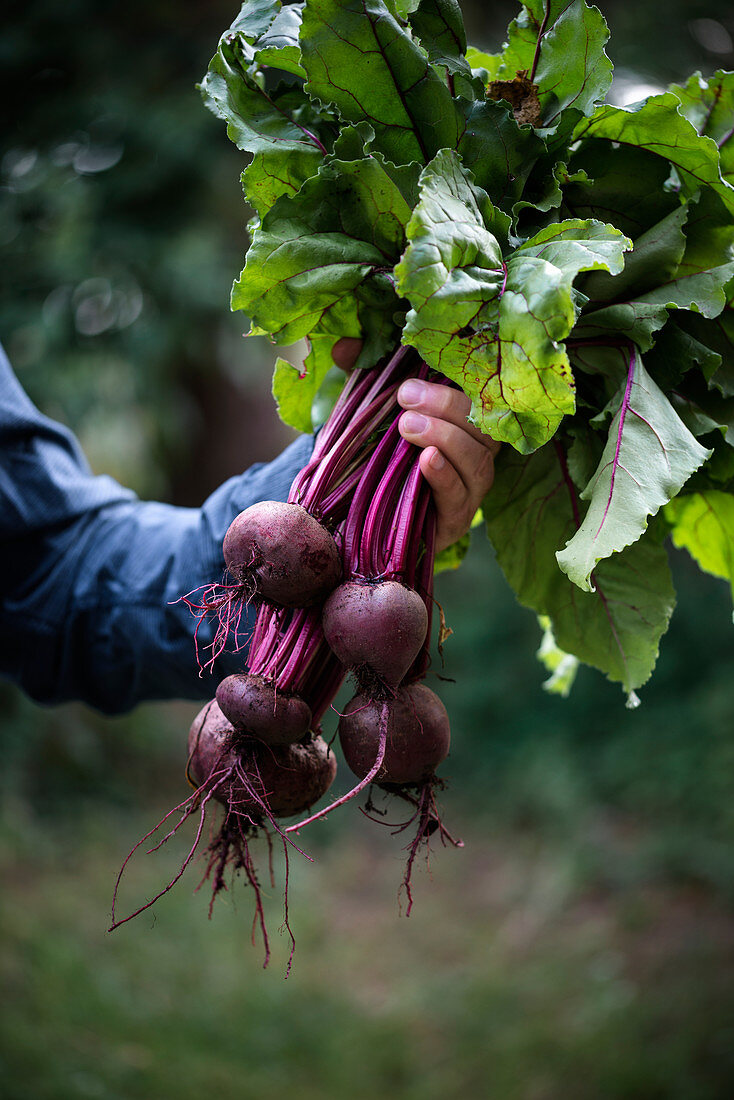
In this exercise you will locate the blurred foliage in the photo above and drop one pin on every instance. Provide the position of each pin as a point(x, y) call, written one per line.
point(121, 228)
point(587, 923)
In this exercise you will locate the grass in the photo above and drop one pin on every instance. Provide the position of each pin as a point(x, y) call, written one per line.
point(517, 977)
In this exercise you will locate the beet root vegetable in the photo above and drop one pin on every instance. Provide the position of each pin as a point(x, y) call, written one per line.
point(257, 707)
point(253, 779)
point(418, 735)
point(256, 783)
point(281, 554)
point(377, 629)
point(411, 735)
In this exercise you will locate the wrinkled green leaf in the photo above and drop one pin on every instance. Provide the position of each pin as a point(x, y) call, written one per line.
point(561, 46)
point(496, 328)
point(274, 173)
point(533, 510)
point(709, 106)
point(649, 456)
point(257, 120)
point(254, 19)
point(658, 126)
point(278, 127)
point(278, 45)
point(314, 250)
point(361, 59)
point(579, 245)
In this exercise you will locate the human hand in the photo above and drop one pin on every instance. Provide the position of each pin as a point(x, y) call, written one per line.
point(457, 460)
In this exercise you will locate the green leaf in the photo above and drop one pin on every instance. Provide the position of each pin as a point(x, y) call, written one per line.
point(703, 410)
point(676, 352)
point(561, 46)
point(439, 27)
point(257, 120)
point(579, 245)
point(658, 126)
point(274, 173)
point(709, 107)
point(530, 512)
point(543, 191)
point(561, 666)
point(313, 250)
point(654, 260)
point(668, 269)
point(294, 391)
point(360, 58)
point(254, 19)
point(607, 195)
point(278, 127)
point(452, 556)
point(498, 152)
point(649, 456)
point(703, 524)
point(482, 64)
point(496, 329)
point(709, 246)
point(637, 320)
point(327, 395)
point(278, 45)
point(294, 276)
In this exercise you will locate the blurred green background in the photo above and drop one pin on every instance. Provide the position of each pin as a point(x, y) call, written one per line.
point(581, 944)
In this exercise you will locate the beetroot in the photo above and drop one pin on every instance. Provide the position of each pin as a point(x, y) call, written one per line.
point(397, 743)
point(279, 553)
point(418, 735)
point(256, 706)
point(256, 783)
point(258, 780)
point(376, 628)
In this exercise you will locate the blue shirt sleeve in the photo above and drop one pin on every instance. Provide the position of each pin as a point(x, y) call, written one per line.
point(91, 577)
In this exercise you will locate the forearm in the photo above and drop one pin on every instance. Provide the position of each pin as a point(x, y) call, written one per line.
point(99, 618)
point(91, 576)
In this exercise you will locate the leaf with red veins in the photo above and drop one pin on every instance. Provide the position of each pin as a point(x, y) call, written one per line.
point(649, 456)
point(709, 106)
point(496, 326)
point(560, 45)
point(658, 126)
point(366, 63)
point(533, 509)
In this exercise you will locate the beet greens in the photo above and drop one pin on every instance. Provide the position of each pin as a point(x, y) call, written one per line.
point(566, 261)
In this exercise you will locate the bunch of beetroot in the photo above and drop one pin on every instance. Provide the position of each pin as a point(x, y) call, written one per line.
point(342, 578)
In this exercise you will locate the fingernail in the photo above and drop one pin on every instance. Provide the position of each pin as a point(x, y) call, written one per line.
point(411, 392)
point(437, 461)
point(413, 423)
